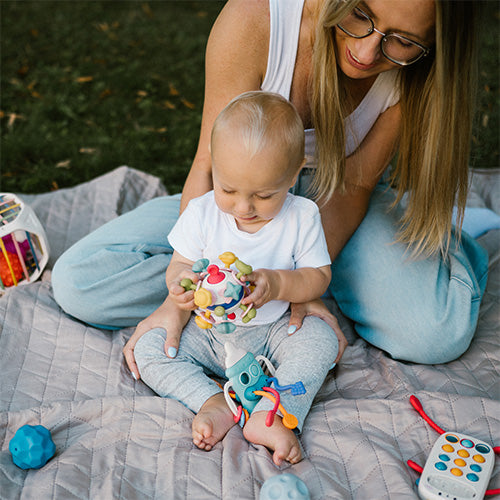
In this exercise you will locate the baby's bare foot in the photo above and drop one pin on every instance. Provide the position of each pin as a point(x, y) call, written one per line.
point(212, 422)
point(281, 440)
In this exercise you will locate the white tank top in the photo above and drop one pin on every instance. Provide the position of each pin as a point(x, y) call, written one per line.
point(285, 17)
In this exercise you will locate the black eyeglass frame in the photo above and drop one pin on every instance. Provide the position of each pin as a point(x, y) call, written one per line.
point(425, 50)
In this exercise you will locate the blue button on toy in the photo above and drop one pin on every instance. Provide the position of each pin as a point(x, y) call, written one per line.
point(482, 448)
point(472, 477)
point(440, 466)
point(444, 458)
point(32, 447)
point(476, 468)
point(451, 438)
point(467, 443)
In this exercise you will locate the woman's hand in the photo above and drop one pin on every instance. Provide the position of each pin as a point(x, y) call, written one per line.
point(169, 317)
point(316, 308)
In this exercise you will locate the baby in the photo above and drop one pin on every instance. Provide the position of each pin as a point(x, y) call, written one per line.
point(257, 150)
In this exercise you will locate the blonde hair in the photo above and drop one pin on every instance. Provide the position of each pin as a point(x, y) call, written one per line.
point(437, 97)
point(262, 119)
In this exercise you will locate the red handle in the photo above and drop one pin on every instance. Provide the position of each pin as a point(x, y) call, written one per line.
point(418, 406)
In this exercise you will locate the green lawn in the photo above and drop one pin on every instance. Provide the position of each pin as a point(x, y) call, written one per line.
point(91, 85)
point(87, 86)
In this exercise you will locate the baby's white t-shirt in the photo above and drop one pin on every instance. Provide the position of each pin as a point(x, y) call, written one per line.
point(293, 239)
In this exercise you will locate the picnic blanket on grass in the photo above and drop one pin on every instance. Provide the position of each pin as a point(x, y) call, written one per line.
point(115, 439)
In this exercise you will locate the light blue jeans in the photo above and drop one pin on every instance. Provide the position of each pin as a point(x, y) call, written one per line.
point(305, 356)
point(423, 310)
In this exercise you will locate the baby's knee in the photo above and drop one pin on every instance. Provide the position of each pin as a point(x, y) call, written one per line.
point(65, 287)
point(321, 338)
point(150, 347)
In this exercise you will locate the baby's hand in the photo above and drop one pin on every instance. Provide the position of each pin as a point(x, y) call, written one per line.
point(266, 286)
point(181, 293)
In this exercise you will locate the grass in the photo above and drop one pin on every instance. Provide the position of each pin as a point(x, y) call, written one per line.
point(91, 85)
point(87, 86)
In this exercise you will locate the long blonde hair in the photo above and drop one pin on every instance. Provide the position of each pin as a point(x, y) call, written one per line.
point(437, 97)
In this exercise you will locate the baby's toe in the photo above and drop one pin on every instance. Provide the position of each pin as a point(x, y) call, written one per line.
point(295, 454)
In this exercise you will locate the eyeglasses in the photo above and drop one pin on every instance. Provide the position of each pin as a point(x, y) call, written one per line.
point(397, 48)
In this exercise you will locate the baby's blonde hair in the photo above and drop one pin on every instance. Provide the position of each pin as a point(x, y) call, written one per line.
point(263, 119)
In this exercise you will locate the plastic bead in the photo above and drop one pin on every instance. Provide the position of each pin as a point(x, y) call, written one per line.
point(228, 258)
point(200, 265)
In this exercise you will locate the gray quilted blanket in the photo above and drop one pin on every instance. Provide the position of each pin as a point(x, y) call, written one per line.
point(116, 440)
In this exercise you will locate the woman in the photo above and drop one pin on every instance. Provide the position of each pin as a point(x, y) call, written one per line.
point(372, 77)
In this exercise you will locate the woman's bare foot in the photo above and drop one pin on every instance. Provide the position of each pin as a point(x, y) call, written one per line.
point(281, 440)
point(212, 422)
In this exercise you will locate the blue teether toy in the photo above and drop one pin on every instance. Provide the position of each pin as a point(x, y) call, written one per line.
point(284, 486)
point(32, 447)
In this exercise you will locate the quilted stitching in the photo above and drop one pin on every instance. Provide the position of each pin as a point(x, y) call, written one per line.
point(116, 440)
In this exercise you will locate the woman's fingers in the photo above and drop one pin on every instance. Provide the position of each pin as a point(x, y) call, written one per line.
point(332, 321)
point(128, 352)
point(297, 314)
point(316, 308)
point(172, 343)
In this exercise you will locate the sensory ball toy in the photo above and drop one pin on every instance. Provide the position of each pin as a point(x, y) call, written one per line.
point(283, 487)
point(219, 292)
point(32, 447)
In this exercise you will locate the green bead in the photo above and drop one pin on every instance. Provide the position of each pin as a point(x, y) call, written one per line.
point(251, 314)
point(219, 311)
point(244, 268)
point(187, 284)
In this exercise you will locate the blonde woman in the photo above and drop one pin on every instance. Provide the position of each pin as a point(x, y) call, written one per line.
point(369, 79)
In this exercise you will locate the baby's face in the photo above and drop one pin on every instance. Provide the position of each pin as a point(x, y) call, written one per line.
point(252, 189)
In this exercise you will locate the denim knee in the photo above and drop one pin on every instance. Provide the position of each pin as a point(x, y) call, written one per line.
point(115, 276)
point(115, 286)
point(77, 290)
point(437, 343)
point(418, 310)
point(66, 293)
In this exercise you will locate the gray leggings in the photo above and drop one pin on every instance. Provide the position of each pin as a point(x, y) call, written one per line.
point(305, 356)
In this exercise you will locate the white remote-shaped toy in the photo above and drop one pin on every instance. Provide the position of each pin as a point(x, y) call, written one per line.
point(458, 467)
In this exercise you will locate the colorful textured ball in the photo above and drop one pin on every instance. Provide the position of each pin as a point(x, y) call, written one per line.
point(32, 447)
point(284, 487)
